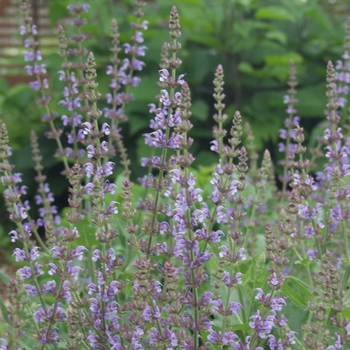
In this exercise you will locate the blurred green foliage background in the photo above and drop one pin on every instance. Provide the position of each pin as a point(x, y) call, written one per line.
point(254, 40)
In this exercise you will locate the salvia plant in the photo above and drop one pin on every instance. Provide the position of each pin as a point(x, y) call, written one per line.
point(217, 258)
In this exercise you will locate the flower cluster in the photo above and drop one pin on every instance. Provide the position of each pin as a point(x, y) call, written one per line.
point(342, 74)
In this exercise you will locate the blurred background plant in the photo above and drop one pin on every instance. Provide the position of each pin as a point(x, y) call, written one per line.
point(254, 40)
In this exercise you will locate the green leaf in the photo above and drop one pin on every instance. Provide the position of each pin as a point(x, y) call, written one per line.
point(297, 317)
point(312, 101)
point(4, 277)
point(57, 10)
point(85, 228)
point(192, 18)
point(147, 88)
point(244, 327)
point(28, 343)
point(199, 63)
point(92, 29)
point(200, 110)
point(18, 89)
point(198, 3)
point(252, 273)
point(346, 312)
point(139, 123)
point(303, 262)
point(245, 67)
point(297, 291)
point(284, 59)
point(3, 86)
point(277, 35)
point(246, 3)
point(274, 13)
point(321, 17)
point(4, 311)
point(203, 176)
point(302, 286)
point(290, 293)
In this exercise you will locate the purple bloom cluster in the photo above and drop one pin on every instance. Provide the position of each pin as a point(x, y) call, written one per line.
point(288, 134)
point(342, 76)
point(32, 54)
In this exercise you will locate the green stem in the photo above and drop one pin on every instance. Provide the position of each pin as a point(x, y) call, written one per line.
point(160, 177)
point(251, 219)
point(224, 320)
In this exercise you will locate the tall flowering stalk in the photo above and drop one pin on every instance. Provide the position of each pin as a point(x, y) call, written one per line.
point(289, 147)
point(71, 102)
point(228, 182)
point(79, 52)
point(104, 288)
point(336, 212)
point(123, 77)
point(337, 168)
point(342, 75)
point(166, 118)
point(18, 214)
point(37, 69)
point(171, 125)
point(48, 218)
point(251, 147)
point(218, 132)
